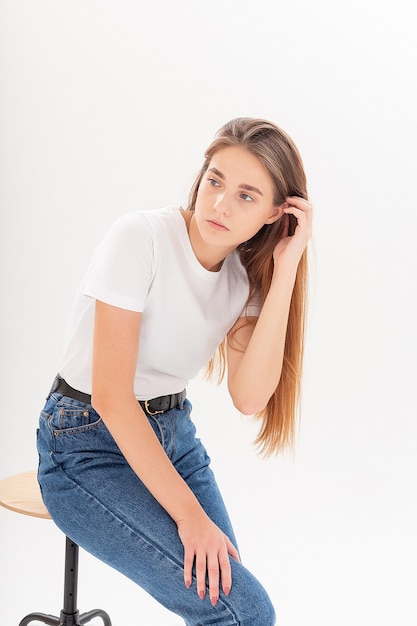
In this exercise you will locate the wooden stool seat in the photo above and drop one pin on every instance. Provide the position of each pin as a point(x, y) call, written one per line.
point(21, 493)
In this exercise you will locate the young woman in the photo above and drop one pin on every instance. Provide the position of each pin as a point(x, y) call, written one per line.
point(120, 468)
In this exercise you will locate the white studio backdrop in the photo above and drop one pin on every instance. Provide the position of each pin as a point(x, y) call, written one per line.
point(107, 107)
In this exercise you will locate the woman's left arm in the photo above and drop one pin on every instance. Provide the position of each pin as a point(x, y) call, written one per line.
point(256, 345)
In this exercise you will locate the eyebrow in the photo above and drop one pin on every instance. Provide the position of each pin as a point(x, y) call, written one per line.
point(246, 187)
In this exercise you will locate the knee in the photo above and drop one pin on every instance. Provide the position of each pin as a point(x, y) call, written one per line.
point(266, 613)
point(252, 604)
point(261, 612)
point(268, 616)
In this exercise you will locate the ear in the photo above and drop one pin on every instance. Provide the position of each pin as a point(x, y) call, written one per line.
point(276, 214)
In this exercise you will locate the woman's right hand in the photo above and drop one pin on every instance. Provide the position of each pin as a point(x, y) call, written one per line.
point(206, 545)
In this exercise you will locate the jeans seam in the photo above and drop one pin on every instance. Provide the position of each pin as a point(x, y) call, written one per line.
point(77, 429)
point(160, 430)
point(173, 437)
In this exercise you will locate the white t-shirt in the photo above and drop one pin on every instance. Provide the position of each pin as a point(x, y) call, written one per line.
point(146, 263)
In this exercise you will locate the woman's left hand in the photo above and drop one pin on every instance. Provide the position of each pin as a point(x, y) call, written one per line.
point(291, 247)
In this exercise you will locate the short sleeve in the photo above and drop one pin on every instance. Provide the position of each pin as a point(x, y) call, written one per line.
point(123, 264)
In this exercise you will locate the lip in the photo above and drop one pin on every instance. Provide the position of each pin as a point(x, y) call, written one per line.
point(217, 225)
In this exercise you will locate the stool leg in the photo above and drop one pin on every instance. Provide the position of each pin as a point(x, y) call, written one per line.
point(87, 617)
point(71, 577)
point(69, 615)
point(40, 617)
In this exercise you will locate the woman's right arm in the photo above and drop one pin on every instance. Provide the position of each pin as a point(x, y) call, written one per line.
point(115, 353)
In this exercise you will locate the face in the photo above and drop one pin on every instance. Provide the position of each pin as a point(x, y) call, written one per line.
point(235, 198)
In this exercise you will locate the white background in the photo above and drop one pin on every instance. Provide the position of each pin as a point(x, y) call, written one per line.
point(107, 106)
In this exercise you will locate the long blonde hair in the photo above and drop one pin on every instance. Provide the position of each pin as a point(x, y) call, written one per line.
point(280, 157)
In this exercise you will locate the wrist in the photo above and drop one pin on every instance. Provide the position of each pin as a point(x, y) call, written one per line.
point(284, 271)
point(190, 511)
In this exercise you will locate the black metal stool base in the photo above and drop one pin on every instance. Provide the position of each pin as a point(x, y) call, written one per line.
point(69, 615)
point(66, 620)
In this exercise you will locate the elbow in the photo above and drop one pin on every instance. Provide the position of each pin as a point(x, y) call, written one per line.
point(103, 400)
point(100, 403)
point(109, 400)
point(249, 405)
point(252, 398)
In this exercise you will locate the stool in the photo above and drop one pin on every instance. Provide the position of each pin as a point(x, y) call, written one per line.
point(21, 493)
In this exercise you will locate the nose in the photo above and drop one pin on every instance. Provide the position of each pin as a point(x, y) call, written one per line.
point(222, 204)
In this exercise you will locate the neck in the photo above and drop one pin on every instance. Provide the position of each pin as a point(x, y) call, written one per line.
point(211, 259)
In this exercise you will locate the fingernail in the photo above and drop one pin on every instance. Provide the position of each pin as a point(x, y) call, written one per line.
point(226, 591)
point(214, 600)
point(188, 583)
point(201, 593)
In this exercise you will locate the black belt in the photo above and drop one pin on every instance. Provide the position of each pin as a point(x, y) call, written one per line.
point(152, 407)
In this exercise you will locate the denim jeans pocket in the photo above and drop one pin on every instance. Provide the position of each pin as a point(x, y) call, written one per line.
point(70, 417)
point(79, 435)
point(76, 426)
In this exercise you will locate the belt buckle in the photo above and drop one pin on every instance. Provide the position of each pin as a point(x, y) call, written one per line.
point(149, 411)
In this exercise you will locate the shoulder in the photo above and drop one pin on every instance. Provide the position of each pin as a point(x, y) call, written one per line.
point(150, 219)
point(142, 226)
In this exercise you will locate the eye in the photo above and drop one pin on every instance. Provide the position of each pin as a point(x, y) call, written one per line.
point(246, 197)
point(213, 182)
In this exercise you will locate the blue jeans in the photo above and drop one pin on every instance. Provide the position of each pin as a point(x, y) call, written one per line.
point(97, 500)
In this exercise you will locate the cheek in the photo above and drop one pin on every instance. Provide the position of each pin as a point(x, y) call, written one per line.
point(205, 197)
point(253, 226)
point(200, 195)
